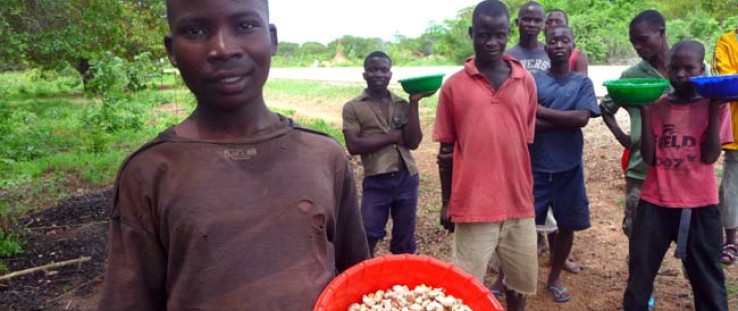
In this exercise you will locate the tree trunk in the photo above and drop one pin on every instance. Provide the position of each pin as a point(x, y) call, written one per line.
point(83, 67)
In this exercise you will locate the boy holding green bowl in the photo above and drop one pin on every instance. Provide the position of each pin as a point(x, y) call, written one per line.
point(383, 127)
point(648, 36)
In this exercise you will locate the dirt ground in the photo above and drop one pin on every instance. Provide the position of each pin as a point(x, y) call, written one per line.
point(77, 227)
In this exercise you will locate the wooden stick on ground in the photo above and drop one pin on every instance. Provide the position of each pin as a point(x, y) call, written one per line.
point(52, 265)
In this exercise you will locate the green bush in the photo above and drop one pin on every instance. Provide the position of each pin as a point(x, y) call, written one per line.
point(9, 245)
point(115, 82)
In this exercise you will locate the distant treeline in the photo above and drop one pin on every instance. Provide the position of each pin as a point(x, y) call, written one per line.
point(57, 34)
point(600, 26)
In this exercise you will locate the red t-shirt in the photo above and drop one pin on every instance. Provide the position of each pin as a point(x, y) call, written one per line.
point(491, 130)
point(679, 178)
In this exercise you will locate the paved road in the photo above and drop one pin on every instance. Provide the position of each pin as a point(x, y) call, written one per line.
point(598, 74)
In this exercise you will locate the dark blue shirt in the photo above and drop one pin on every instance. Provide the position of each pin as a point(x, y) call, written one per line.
point(560, 150)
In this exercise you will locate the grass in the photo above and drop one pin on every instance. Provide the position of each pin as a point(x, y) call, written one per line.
point(317, 92)
point(47, 146)
point(48, 151)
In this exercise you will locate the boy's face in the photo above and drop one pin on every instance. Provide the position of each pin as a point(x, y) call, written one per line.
point(646, 40)
point(530, 20)
point(489, 35)
point(377, 73)
point(559, 44)
point(683, 65)
point(223, 49)
point(555, 18)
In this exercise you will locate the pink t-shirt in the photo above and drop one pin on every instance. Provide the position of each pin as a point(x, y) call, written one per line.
point(679, 178)
point(491, 129)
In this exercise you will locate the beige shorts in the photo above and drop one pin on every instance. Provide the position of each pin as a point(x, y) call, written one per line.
point(729, 190)
point(512, 241)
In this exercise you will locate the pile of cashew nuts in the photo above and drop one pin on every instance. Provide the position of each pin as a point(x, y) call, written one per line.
point(402, 298)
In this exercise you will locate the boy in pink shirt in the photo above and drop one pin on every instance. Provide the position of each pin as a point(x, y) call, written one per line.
point(682, 135)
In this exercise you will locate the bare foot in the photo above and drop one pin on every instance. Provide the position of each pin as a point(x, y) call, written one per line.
point(571, 267)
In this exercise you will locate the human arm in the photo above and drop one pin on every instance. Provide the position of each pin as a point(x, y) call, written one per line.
point(137, 264)
point(579, 108)
point(349, 238)
point(358, 144)
point(608, 116)
point(547, 118)
point(581, 65)
point(648, 143)
point(412, 134)
point(444, 132)
point(710, 148)
point(445, 163)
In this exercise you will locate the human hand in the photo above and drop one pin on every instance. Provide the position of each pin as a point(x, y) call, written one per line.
point(398, 137)
point(446, 219)
point(415, 98)
point(715, 103)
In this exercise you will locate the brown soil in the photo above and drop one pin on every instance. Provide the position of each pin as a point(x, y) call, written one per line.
point(77, 227)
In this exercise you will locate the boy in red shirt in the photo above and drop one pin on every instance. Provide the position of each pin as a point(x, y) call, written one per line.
point(485, 120)
point(681, 139)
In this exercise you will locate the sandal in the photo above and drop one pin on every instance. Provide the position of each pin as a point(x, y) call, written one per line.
point(498, 293)
point(730, 254)
point(559, 294)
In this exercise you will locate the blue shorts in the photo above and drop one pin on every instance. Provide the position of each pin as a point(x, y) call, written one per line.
point(565, 194)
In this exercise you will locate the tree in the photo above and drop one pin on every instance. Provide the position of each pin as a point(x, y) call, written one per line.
point(53, 34)
point(357, 47)
point(451, 38)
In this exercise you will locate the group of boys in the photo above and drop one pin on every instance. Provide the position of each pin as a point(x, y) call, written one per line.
point(509, 125)
point(239, 208)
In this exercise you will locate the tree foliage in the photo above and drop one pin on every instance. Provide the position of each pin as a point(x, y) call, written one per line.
point(53, 34)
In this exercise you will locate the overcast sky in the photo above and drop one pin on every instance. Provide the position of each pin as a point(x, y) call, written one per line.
point(323, 21)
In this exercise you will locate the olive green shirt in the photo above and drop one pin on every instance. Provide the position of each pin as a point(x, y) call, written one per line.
point(361, 114)
point(637, 168)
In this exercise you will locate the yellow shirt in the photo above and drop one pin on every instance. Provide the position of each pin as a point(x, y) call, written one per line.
point(726, 63)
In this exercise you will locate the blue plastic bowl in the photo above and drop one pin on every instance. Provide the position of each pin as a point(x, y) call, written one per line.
point(717, 87)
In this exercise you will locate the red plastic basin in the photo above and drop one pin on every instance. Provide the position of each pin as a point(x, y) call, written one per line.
point(411, 270)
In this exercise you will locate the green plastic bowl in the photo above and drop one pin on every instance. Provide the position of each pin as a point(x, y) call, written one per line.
point(420, 85)
point(636, 92)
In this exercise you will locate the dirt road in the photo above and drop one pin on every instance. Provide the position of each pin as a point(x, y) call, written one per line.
point(598, 74)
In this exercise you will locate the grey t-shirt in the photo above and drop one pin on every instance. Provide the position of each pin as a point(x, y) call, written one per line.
point(533, 60)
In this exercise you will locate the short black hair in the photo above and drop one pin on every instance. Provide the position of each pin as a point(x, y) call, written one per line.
point(529, 4)
point(653, 18)
point(559, 27)
point(377, 54)
point(566, 16)
point(690, 46)
point(491, 8)
point(167, 5)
